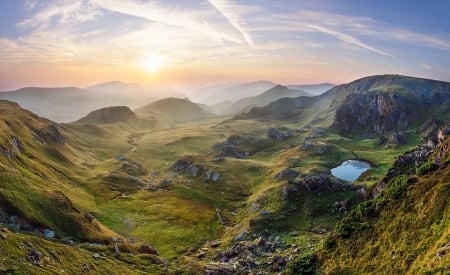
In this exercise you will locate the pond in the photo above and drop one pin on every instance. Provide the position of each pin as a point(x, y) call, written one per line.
point(350, 170)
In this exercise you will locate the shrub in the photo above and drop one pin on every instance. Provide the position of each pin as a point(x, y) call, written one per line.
point(303, 265)
point(427, 168)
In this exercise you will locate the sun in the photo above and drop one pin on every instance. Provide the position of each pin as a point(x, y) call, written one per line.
point(153, 64)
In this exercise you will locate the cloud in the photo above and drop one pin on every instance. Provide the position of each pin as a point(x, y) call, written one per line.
point(347, 39)
point(154, 12)
point(228, 11)
point(72, 11)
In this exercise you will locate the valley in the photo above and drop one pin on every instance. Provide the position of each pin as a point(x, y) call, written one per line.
point(174, 188)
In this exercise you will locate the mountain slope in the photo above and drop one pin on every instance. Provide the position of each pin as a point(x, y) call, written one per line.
point(314, 89)
point(405, 229)
point(175, 110)
point(265, 98)
point(388, 103)
point(38, 182)
point(379, 105)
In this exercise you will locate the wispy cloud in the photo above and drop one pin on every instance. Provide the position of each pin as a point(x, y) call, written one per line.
point(347, 39)
point(227, 9)
point(153, 11)
point(75, 11)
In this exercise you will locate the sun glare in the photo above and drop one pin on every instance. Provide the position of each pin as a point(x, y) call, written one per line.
point(153, 64)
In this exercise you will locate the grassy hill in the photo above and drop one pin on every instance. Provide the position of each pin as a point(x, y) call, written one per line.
point(175, 110)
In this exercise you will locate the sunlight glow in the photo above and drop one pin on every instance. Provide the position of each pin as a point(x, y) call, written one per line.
point(153, 63)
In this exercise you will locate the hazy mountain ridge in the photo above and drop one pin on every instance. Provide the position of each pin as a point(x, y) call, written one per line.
point(70, 103)
point(265, 98)
point(214, 95)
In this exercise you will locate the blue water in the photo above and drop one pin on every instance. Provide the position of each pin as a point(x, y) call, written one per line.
point(350, 170)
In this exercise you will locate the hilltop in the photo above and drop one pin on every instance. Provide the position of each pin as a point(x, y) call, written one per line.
point(175, 110)
point(108, 115)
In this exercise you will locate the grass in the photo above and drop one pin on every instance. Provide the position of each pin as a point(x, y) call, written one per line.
point(163, 219)
point(57, 185)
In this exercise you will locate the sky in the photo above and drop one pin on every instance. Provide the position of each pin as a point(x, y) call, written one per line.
point(185, 43)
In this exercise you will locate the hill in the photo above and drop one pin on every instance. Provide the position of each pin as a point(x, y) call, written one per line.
point(175, 110)
point(36, 159)
point(109, 115)
point(314, 89)
point(265, 98)
point(215, 94)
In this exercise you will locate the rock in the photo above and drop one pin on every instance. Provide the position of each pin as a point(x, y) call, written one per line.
point(56, 134)
point(96, 256)
point(229, 148)
point(212, 176)
point(306, 146)
point(289, 192)
point(215, 244)
point(201, 255)
point(323, 182)
point(381, 141)
point(378, 112)
point(49, 233)
point(133, 168)
point(218, 159)
point(362, 193)
point(280, 133)
point(260, 241)
point(35, 256)
point(185, 165)
point(265, 213)
point(3, 235)
point(147, 249)
point(294, 162)
point(287, 173)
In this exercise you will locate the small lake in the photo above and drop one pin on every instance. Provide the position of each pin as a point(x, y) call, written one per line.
point(350, 170)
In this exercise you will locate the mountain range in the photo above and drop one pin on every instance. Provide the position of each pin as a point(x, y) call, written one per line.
point(170, 187)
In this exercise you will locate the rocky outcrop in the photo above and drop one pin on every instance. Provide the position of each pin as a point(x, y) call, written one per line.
point(323, 182)
point(404, 164)
point(378, 112)
point(13, 147)
point(280, 133)
point(50, 135)
point(133, 168)
point(229, 148)
point(287, 173)
point(186, 165)
point(212, 176)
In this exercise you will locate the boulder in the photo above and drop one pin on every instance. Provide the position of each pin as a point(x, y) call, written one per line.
point(212, 176)
point(147, 249)
point(323, 182)
point(287, 173)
